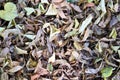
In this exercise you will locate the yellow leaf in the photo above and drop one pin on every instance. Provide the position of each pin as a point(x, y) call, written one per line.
point(77, 46)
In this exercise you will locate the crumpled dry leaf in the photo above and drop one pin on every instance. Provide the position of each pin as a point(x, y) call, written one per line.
point(91, 71)
point(77, 45)
point(76, 23)
point(75, 55)
point(1, 29)
point(76, 8)
point(98, 47)
point(89, 5)
point(62, 62)
point(101, 7)
point(20, 51)
point(113, 33)
point(71, 33)
point(87, 33)
point(39, 71)
point(52, 59)
point(85, 23)
point(45, 1)
point(30, 36)
point(8, 31)
point(4, 76)
point(4, 52)
point(15, 69)
point(53, 32)
point(115, 48)
point(29, 10)
point(51, 10)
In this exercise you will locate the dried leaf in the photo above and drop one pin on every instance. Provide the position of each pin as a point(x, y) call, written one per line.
point(53, 32)
point(61, 14)
point(71, 33)
point(29, 36)
point(57, 1)
point(76, 8)
point(2, 29)
point(85, 23)
point(98, 47)
point(76, 23)
point(91, 71)
point(101, 7)
point(89, 5)
point(40, 70)
point(4, 76)
point(15, 69)
point(75, 54)
point(35, 76)
point(87, 33)
point(118, 17)
point(110, 4)
point(29, 10)
point(52, 59)
point(45, 1)
point(115, 48)
point(20, 51)
point(77, 45)
point(51, 10)
point(113, 33)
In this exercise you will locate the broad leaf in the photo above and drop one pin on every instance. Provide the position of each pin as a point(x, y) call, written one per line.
point(9, 12)
point(106, 72)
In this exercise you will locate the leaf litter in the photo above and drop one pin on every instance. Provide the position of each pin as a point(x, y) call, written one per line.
point(59, 40)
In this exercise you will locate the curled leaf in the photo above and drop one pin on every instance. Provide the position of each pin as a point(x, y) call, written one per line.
point(51, 10)
point(85, 23)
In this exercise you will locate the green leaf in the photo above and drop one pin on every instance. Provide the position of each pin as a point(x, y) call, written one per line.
point(118, 17)
point(115, 48)
point(71, 33)
point(50, 67)
point(29, 10)
point(98, 47)
point(113, 34)
point(110, 4)
point(10, 7)
point(106, 72)
point(76, 23)
point(89, 1)
point(9, 12)
point(97, 60)
point(41, 7)
point(2, 29)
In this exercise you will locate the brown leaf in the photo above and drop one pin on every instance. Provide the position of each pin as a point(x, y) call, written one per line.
point(35, 76)
point(89, 5)
point(40, 70)
point(76, 8)
point(57, 1)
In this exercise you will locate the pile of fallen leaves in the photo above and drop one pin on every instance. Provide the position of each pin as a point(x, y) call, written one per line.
point(59, 40)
